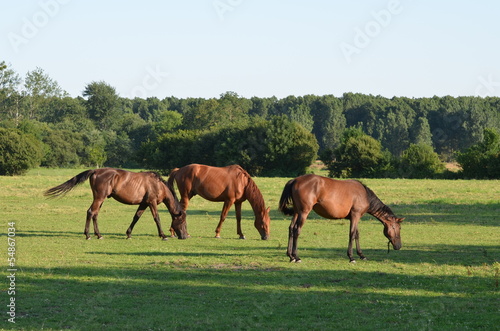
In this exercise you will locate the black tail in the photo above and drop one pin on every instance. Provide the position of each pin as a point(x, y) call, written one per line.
point(68, 185)
point(286, 201)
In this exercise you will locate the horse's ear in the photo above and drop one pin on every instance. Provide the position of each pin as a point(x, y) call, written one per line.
point(399, 220)
point(268, 210)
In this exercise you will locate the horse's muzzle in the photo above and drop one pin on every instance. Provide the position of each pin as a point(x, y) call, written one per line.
point(397, 246)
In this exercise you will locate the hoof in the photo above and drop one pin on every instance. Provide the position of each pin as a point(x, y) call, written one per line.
point(88, 238)
point(293, 260)
point(242, 237)
point(128, 238)
point(164, 238)
point(364, 258)
point(217, 237)
point(100, 238)
point(352, 261)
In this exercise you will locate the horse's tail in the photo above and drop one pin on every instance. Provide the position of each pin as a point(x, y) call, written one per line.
point(68, 185)
point(286, 200)
point(170, 182)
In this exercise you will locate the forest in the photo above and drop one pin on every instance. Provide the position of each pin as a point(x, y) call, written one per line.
point(355, 135)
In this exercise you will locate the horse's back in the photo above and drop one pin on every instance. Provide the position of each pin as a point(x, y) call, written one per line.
point(212, 183)
point(330, 198)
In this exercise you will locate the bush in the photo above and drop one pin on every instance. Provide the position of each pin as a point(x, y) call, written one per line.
point(482, 160)
point(18, 152)
point(420, 161)
point(358, 155)
point(279, 147)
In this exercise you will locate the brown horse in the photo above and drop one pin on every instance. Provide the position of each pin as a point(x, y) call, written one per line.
point(335, 199)
point(230, 184)
point(146, 189)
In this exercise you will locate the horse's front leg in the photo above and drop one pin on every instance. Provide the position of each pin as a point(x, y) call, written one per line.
point(154, 210)
point(358, 247)
point(137, 215)
point(354, 236)
point(237, 207)
point(223, 214)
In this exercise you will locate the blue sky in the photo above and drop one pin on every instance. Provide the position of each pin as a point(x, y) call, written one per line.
point(202, 48)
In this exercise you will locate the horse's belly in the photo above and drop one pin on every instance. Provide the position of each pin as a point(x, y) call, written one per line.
point(329, 212)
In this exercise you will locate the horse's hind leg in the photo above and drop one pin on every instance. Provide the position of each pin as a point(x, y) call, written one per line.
point(138, 214)
point(294, 230)
point(92, 214)
point(223, 214)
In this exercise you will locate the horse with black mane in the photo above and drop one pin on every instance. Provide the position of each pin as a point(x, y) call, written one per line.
point(335, 199)
point(146, 189)
point(231, 185)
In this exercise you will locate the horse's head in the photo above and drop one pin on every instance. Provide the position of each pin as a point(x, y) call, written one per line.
point(263, 224)
point(179, 225)
point(392, 228)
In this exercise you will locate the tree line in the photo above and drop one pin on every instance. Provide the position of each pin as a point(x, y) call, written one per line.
point(268, 136)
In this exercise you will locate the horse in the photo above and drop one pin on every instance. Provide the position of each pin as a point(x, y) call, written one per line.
point(335, 199)
point(146, 189)
point(231, 184)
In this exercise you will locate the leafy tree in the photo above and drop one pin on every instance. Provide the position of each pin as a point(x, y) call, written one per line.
point(39, 87)
point(421, 132)
point(19, 152)
point(102, 104)
point(10, 98)
point(289, 148)
point(61, 149)
point(358, 155)
point(482, 160)
point(420, 161)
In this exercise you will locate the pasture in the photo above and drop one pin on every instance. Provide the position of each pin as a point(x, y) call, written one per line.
point(446, 276)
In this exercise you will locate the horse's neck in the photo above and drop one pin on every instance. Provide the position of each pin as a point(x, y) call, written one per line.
point(379, 210)
point(254, 197)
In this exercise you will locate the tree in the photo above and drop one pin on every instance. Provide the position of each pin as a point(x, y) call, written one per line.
point(39, 87)
point(482, 160)
point(420, 161)
point(102, 103)
point(359, 155)
point(10, 98)
point(19, 152)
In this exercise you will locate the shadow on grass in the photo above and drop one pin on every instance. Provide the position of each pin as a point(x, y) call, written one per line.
point(441, 254)
point(187, 297)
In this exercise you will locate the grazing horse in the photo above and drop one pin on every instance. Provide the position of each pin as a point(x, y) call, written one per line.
point(146, 189)
point(231, 184)
point(335, 199)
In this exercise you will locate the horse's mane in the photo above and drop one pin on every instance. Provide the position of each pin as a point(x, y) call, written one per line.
point(376, 205)
point(253, 193)
point(169, 187)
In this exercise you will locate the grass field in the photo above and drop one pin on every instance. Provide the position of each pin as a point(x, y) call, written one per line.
point(446, 276)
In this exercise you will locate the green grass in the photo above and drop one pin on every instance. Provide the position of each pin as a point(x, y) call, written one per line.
point(446, 277)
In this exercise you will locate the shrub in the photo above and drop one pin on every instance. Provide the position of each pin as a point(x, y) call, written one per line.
point(420, 161)
point(18, 152)
point(358, 155)
point(482, 160)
